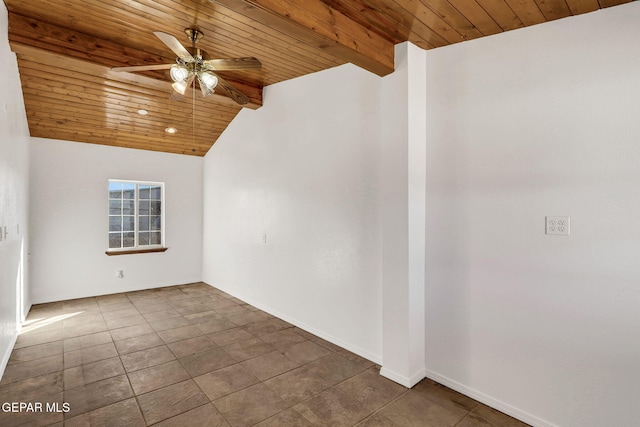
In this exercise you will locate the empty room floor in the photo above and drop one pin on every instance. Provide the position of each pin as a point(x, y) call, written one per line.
point(192, 355)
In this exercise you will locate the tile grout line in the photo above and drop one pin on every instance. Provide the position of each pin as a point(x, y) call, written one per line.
point(135, 397)
point(383, 406)
point(191, 377)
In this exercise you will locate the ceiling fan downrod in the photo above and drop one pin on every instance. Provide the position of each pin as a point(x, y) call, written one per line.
point(194, 34)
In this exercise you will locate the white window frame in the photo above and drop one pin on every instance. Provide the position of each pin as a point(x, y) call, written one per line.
point(137, 247)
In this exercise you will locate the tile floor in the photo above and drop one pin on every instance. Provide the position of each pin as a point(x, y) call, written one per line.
point(192, 355)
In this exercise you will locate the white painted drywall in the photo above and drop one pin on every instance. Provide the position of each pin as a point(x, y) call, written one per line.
point(402, 210)
point(69, 220)
point(540, 121)
point(14, 187)
point(534, 122)
point(304, 170)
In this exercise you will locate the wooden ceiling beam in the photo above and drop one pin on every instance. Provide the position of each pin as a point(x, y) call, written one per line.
point(321, 26)
point(67, 42)
point(61, 47)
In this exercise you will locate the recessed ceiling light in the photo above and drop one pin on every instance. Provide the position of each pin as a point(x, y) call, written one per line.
point(143, 112)
point(171, 130)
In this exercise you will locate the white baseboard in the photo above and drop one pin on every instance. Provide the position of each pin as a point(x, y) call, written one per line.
point(295, 322)
point(408, 382)
point(7, 352)
point(490, 401)
point(86, 293)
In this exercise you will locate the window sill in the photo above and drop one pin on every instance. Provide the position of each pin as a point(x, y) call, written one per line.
point(135, 251)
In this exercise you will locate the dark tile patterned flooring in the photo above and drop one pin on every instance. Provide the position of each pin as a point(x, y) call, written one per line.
point(192, 355)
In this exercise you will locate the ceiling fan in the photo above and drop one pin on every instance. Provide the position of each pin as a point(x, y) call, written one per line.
point(193, 65)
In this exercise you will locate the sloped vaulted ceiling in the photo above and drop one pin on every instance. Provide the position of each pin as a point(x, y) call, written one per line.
point(66, 48)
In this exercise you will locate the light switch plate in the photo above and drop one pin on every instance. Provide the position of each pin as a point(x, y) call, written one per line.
point(558, 225)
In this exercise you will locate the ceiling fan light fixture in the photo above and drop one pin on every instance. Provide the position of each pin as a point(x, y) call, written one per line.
point(179, 87)
point(178, 73)
point(194, 64)
point(208, 80)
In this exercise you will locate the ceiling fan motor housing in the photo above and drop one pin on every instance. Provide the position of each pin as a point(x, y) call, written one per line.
point(194, 34)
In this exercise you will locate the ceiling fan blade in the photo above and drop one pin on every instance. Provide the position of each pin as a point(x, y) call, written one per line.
point(233, 93)
point(143, 67)
point(233, 64)
point(173, 44)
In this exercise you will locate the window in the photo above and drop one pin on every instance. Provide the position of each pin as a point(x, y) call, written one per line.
point(136, 216)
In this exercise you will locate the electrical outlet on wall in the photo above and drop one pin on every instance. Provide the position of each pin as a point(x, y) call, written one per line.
point(558, 225)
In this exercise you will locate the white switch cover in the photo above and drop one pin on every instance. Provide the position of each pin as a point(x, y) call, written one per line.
point(558, 225)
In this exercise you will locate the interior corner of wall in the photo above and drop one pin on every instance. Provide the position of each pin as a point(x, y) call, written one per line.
point(25, 311)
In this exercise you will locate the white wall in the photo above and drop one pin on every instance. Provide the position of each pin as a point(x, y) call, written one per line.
point(540, 121)
point(304, 170)
point(402, 207)
point(69, 220)
point(14, 187)
point(534, 122)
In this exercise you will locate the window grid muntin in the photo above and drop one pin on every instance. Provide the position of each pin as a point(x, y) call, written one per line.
point(130, 198)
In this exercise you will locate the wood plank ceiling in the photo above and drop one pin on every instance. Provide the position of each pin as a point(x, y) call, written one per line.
point(65, 50)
